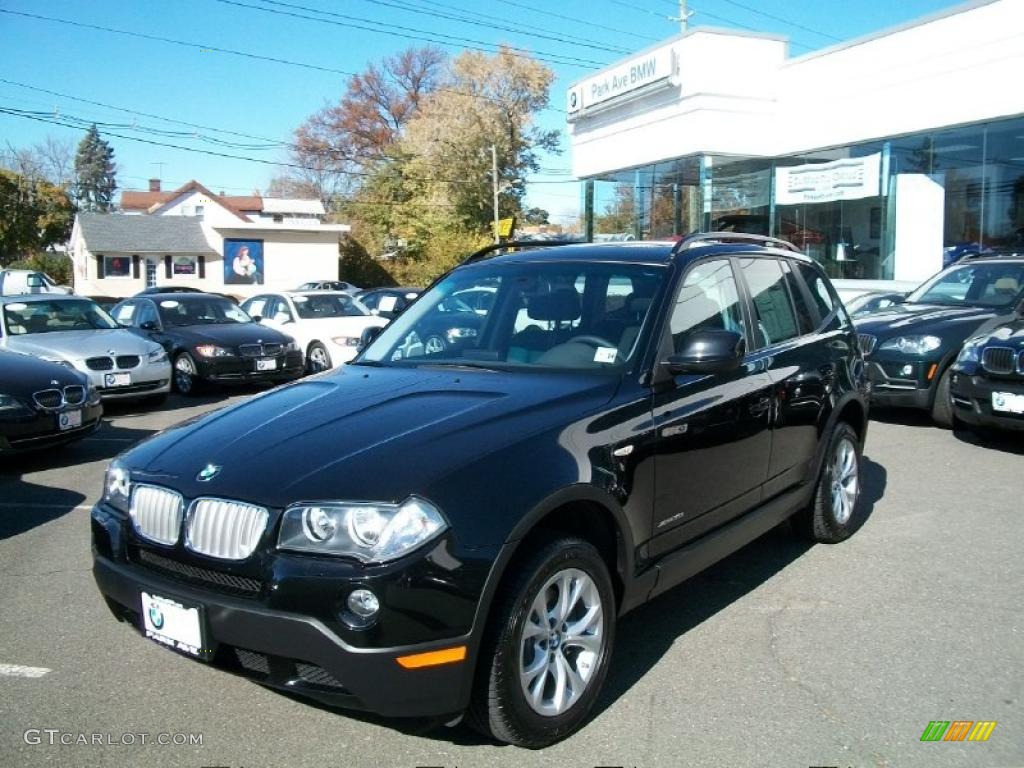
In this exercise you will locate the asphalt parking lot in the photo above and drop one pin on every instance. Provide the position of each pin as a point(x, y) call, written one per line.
point(784, 654)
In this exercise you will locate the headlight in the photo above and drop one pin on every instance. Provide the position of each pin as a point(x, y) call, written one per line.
point(971, 353)
point(292, 346)
point(455, 334)
point(117, 487)
point(346, 341)
point(92, 395)
point(12, 408)
point(59, 361)
point(913, 345)
point(372, 533)
point(209, 350)
point(158, 355)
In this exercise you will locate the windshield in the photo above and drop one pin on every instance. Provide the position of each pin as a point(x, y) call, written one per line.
point(328, 305)
point(562, 315)
point(208, 310)
point(988, 284)
point(51, 316)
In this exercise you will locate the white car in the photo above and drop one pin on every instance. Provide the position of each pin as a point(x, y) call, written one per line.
point(327, 325)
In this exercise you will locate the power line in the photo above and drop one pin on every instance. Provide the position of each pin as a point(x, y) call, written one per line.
point(409, 33)
point(491, 23)
point(229, 51)
point(784, 20)
point(70, 121)
point(545, 12)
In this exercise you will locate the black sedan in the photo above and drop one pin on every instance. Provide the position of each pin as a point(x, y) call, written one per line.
point(43, 404)
point(210, 339)
point(910, 348)
point(987, 386)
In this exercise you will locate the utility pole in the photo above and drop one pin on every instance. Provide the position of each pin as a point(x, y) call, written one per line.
point(494, 179)
point(684, 16)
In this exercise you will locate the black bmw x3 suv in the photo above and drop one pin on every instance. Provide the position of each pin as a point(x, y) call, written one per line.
point(435, 532)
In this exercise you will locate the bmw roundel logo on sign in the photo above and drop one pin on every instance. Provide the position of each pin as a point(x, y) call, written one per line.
point(156, 616)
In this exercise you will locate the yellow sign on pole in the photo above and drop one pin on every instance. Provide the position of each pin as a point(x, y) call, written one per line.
point(506, 226)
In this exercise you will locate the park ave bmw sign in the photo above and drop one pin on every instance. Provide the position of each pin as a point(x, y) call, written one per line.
point(629, 77)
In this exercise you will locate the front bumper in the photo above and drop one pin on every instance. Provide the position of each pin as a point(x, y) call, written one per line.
point(282, 629)
point(42, 431)
point(972, 400)
point(288, 366)
point(144, 379)
point(899, 382)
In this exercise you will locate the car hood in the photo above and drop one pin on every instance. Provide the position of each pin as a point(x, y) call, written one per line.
point(948, 323)
point(227, 334)
point(21, 375)
point(1006, 335)
point(361, 433)
point(79, 345)
point(349, 326)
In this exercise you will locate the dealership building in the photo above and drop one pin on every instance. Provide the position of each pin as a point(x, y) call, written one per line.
point(874, 156)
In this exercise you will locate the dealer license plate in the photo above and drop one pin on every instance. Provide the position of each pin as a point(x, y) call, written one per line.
point(173, 624)
point(266, 364)
point(1007, 402)
point(69, 420)
point(117, 379)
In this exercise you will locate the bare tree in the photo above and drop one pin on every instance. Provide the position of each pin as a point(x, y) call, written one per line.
point(51, 160)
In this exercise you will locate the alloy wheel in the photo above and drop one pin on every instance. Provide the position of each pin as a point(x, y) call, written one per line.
point(184, 372)
point(561, 642)
point(845, 481)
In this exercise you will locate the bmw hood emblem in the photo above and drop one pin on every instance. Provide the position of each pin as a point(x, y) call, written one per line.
point(207, 473)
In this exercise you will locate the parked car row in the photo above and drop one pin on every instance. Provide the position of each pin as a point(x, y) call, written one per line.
point(954, 345)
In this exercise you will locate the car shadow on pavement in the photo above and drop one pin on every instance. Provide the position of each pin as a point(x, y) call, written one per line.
point(907, 417)
point(993, 440)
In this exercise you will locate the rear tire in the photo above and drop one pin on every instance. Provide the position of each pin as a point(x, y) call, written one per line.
point(834, 514)
point(547, 647)
point(942, 407)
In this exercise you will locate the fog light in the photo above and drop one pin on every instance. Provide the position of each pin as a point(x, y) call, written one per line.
point(363, 603)
point(907, 370)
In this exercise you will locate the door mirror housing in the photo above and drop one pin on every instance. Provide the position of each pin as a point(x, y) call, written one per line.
point(707, 352)
point(149, 325)
point(257, 318)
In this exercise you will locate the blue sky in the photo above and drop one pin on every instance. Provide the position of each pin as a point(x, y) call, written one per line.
point(267, 100)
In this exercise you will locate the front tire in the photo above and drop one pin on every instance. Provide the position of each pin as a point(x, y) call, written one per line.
point(185, 374)
point(834, 514)
point(317, 358)
point(942, 407)
point(547, 647)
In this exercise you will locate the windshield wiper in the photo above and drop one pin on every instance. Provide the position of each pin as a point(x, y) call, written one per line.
point(465, 364)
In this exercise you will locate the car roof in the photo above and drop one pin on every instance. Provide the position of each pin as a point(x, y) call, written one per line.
point(346, 294)
point(650, 252)
point(178, 296)
point(30, 298)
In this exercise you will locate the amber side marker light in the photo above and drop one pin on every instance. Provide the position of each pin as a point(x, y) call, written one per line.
point(931, 371)
point(433, 658)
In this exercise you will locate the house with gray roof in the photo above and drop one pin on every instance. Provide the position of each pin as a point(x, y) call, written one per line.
point(192, 237)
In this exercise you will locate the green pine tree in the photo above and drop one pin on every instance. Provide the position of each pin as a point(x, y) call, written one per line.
point(94, 173)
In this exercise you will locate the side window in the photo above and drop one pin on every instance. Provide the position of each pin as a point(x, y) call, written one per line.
point(147, 314)
point(125, 314)
point(804, 315)
point(774, 318)
point(708, 300)
point(279, 309)
point(819, 291)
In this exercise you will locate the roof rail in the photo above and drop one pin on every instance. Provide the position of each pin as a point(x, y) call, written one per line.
point(704, 238)
point(489, 250)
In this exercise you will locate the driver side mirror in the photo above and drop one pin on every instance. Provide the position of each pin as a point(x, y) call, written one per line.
point(707, 352)
point(257, 318)
point(149, 325)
